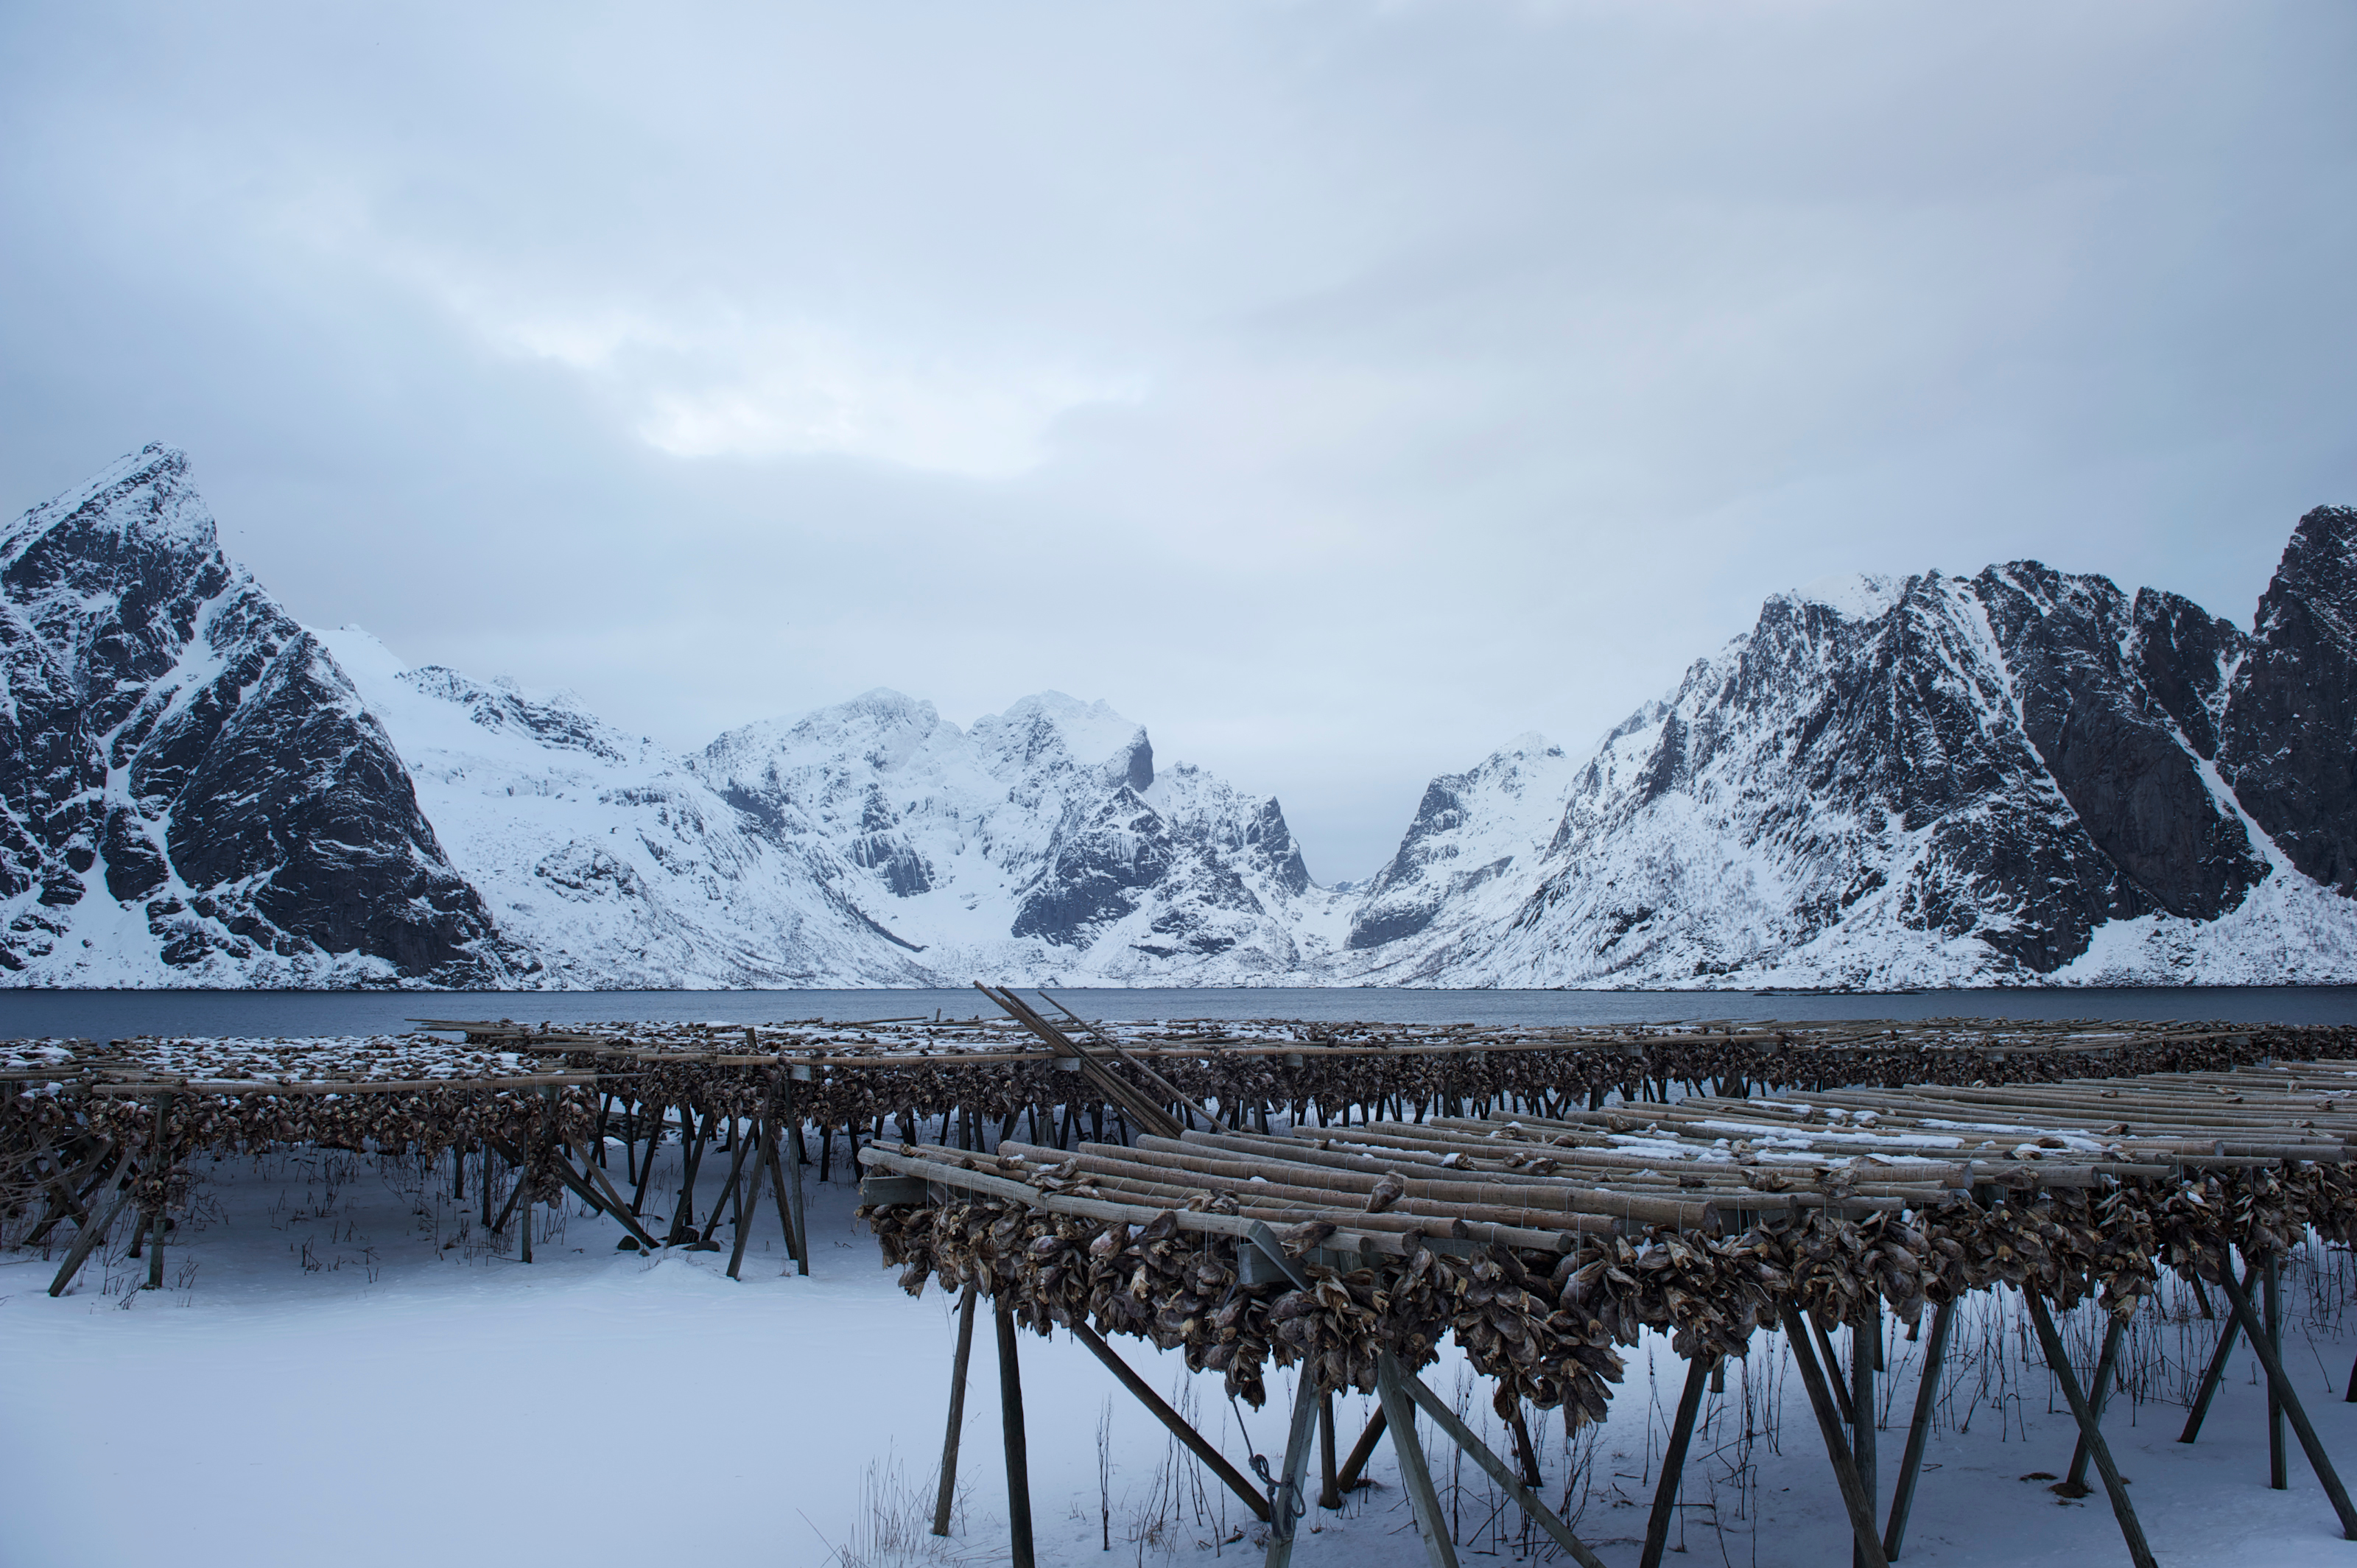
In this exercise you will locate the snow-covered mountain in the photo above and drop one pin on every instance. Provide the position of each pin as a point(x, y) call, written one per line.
point(192, 793)
point(868, 844)
point(609, 862)
point(2018, 776)
point(1043, 842)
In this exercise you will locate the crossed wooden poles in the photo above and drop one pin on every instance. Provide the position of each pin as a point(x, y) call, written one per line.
point(1846, 1420)
point(79, 1177)
point(774, 1135)
point(1854, 1458)
point(1284, 1502)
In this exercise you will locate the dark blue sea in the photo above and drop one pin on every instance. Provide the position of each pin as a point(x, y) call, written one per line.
point(116, 1015)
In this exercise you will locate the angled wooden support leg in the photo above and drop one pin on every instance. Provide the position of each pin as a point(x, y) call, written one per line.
point(1673, 1463)
point(562, 1169)
point(1160, 1410)
point(1832, 1373)
point(2050, 1342)
point(162, 1158)
point(1010, 1425)
point(81, 1189)
point(1348, 1478)
point(1410, 1390)
point(732, 1192)
point(653, 1117)
point(946, 1496)
point(1527, 1453)
point(2215, 1374)
point(1285, 1505)
point(799, 1206)
point(787, 1151)
point(1329, 1496)
point(2278, 1470)
point(1918, 1430)
point(617, 1205)
point(2075, 1482)
point(2317, 1460)
point(1830, 1424)
point(774, 1158)
point(89, 1236)
point(752, 1200)
point(1415, 1476)
point(1865, 1361)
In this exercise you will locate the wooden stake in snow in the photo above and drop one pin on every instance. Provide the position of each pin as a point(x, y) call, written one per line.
point(947, 1497)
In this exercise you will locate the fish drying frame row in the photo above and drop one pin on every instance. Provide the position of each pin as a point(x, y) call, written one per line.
point(1544, 1245)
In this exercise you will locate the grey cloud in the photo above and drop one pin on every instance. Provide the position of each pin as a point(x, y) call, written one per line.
point(1337, 390)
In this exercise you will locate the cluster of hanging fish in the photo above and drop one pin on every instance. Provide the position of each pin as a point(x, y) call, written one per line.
point(1546, 1325)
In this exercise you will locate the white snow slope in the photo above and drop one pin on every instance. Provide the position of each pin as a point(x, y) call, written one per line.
point(1845, 797)
point(868, 843)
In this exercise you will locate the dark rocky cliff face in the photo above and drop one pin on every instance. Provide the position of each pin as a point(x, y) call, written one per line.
point(2101, 703)
point(179, 748)
point(2289, 741)
point(1938, 780)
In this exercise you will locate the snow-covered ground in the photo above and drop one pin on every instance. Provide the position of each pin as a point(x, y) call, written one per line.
point(339, 1370)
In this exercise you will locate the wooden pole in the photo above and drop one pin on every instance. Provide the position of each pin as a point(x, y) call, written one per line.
point(1010, 1418)
point(2052, 1343)
point(652, 1115)
point(160, 1168)
point(1196, 1443)
point(89, 1236)
point(1833, 1366)
point(800, 1210)
point(1525, 1453)
point(2075, 1482)
point(1285, 1504)
point(1865, 1359)
point(1829, 1424)
point(2278, 1472)
point(2317, 1458)
point(1409, 1391)
point(524, 1186)
point(75, 1191)
point(753, 1196)
point(563, 1171)
point(2215, 1374)
point(786, 1145)
point(683, 1220)
point(947, 1497)
point(1330, 1495)
point(1346, 1479)
point(1424, 1501)
point(1673, 1463)
point(732, 1195)
point(1918, 1430)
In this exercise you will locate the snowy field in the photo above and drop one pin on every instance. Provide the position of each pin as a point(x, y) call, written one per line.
point(340, 1370)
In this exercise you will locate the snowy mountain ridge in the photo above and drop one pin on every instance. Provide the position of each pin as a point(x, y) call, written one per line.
point(2020, 777)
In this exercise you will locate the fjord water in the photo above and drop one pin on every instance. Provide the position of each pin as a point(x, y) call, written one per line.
point(118, 1014)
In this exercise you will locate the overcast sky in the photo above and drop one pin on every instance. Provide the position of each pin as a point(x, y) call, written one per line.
point(1337, 390)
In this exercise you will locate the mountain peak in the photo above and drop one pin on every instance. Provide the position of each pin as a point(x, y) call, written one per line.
point(1853, 595)
point(1089, 734)
point(2319, 564)
point(145, 494)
